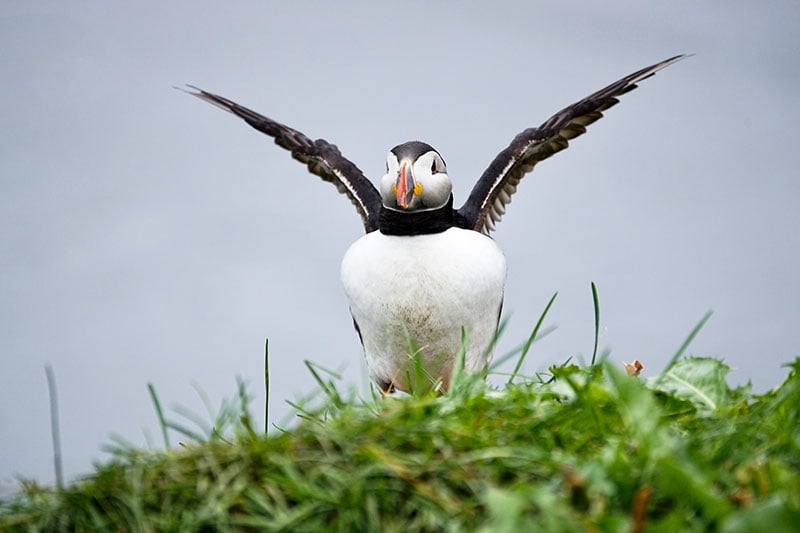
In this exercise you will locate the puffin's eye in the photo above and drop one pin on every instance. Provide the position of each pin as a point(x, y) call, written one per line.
point(433, 167)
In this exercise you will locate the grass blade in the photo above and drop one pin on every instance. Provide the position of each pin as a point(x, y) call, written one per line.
point(245, 419)
point(596, 321)
point(500, 328)
point(531, 338)
point(421, 381)
point(161, 420)
point(685, 344)
point(500, 361)
point(197, 420)
point(188, 432)
point(54, 426)
point(210, 410)
point(327, 386)
point(266, 386)
point(460, 362)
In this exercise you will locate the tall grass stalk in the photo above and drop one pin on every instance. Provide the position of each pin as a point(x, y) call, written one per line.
point(266, 386)
point(160, 413)
point(531, 339)
point(677, 355)
point(55, 429)
point(596, 304)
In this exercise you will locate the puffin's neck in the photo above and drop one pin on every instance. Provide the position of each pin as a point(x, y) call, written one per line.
point(429, 221)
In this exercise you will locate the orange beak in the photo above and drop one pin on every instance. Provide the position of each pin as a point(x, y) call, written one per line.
point(404, 186)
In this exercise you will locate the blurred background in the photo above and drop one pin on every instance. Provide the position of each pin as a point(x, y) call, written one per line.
point(147, 237)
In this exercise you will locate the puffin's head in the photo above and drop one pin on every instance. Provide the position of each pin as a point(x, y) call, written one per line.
point(416, 178)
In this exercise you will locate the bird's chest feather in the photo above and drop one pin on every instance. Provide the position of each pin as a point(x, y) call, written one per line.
point(433, 285)
point(417, 279)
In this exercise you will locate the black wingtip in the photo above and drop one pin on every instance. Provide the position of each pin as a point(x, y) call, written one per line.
point(195, 91)
point(182, 89)
point(211, 98)
point(674, 59)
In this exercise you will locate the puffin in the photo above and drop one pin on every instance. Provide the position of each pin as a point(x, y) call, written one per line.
point(425, 283)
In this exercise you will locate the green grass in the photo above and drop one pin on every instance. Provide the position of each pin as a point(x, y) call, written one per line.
point(578, 449)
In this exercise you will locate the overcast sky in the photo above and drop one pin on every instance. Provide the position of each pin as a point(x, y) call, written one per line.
point(146, 236)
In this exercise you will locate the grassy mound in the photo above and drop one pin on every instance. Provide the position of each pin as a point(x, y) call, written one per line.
point(588, 449)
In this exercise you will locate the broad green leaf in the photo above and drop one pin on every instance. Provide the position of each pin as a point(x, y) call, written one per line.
point(700, 380)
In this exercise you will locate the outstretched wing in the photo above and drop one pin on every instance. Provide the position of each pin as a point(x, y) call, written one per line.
point(322, 157)
point(487, 202)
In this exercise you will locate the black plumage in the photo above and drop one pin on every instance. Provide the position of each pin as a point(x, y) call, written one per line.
point(486, 203)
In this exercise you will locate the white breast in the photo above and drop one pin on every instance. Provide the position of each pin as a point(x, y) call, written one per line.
point(434, 284)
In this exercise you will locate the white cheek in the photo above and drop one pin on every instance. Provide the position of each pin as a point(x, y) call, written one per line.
point(387, 195)
point(436, 189)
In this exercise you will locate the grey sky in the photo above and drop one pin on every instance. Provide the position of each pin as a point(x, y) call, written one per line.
point(148, 237)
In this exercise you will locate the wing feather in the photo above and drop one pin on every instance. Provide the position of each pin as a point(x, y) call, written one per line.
point(322, 158)
point(486, 203)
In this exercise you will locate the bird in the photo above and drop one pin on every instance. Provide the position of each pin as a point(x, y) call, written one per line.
point(425, 283)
